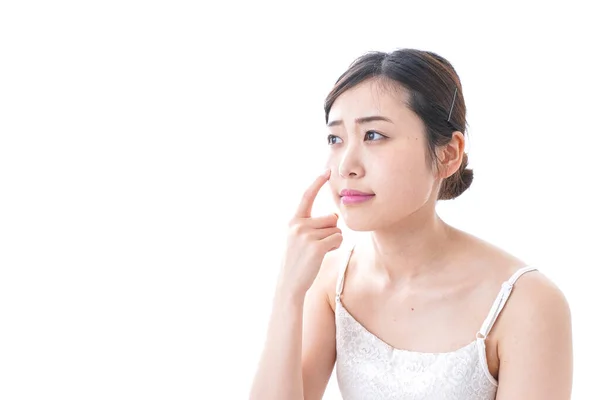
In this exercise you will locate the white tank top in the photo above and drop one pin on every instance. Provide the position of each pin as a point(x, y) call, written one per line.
point(369, 368)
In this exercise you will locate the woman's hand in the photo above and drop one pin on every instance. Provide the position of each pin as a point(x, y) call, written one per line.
point(309, 239)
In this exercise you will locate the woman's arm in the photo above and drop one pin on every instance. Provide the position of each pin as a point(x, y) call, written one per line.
point(279, 374)
point(318, 339)
point(305, 269)
point(299, 353)
point(535, 343)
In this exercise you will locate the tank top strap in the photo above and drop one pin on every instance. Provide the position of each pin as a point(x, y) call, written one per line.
point(342, 272)
point(500, 301)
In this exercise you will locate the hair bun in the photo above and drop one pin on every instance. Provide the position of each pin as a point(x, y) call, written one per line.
point(456, 184)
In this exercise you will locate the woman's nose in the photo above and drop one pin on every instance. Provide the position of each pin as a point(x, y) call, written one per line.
point(350, 165)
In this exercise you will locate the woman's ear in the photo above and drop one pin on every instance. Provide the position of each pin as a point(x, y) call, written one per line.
point(451, 155)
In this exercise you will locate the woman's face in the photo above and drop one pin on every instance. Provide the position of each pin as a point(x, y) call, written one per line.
point(378, 146)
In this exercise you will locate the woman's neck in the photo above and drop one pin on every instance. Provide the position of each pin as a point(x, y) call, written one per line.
point(413, 249)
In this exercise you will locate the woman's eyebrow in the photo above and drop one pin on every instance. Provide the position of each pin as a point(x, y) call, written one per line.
point(361, 120)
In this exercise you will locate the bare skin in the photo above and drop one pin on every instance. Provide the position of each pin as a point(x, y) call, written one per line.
point(413, 276)
point(280, 374)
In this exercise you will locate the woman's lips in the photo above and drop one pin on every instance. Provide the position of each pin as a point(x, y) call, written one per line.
point(352, 192)
point(356, 199)
point(351, 196)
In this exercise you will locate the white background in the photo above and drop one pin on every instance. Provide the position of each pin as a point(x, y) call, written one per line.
point(151, 154)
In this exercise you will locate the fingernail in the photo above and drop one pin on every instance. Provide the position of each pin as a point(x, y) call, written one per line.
point(327, 170)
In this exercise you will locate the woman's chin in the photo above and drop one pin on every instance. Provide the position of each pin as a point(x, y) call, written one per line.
point(360, 224)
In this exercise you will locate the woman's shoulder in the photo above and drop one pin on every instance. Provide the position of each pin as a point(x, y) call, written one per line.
point(531, 292)
point(535, 317)
point(331, 267)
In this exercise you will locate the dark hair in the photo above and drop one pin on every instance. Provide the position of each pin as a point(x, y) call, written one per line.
point(430, 81)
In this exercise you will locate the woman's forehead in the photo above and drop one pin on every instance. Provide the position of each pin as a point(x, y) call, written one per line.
point(368, 98)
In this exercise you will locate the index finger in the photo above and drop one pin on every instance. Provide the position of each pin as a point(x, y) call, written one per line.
point(308, 199)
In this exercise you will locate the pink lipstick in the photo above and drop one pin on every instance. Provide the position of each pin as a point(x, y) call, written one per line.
point(350, 196)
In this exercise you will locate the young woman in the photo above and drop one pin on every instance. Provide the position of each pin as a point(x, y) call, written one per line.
point(420, 310)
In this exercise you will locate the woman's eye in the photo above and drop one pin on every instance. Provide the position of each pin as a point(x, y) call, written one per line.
point(371, 135)
point(331, 138)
